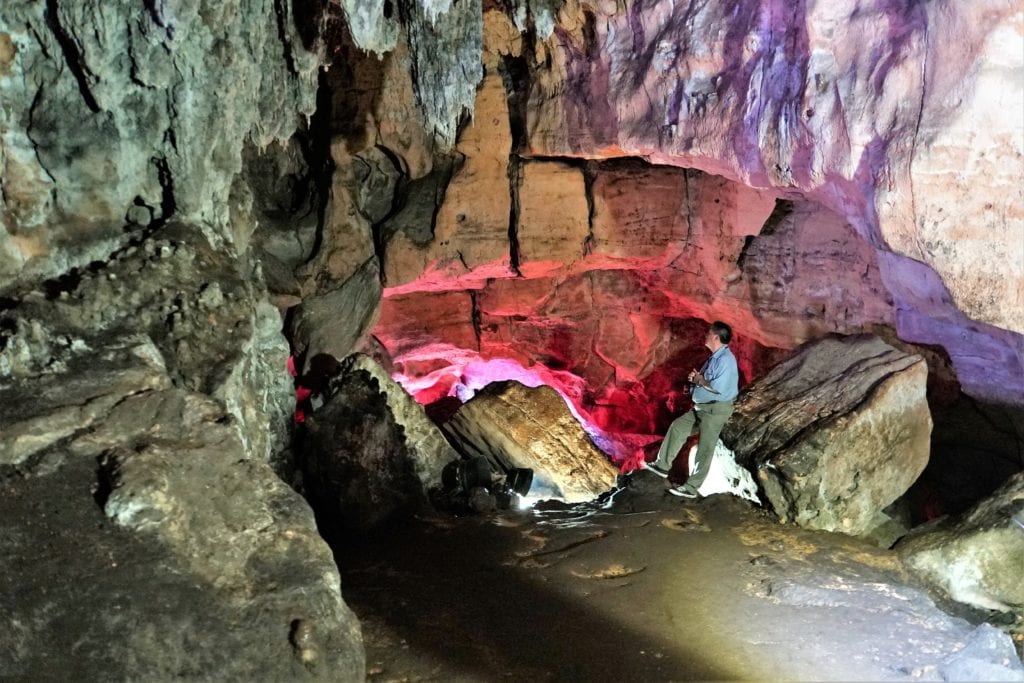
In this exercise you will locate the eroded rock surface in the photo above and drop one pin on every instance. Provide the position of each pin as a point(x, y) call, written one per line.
point(204, 563)
point(978, 557)
point(191, 311)
point(516, 426)
point(117, 116)
point(370, 453)
point(836, 432)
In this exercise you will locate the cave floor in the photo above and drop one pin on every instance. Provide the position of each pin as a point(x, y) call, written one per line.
point(647, 588)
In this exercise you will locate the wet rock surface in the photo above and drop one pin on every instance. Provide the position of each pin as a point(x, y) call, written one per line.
point(646, 586)
point(837, 432)
point(515, 426)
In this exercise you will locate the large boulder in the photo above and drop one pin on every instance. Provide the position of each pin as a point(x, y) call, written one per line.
point(182, 554)
point(978, 557)
point(837, 432)
point(427, 447)
point(515, 426)
point(370, 453)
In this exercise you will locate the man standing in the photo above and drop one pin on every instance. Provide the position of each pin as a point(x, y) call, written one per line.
point(714, 389)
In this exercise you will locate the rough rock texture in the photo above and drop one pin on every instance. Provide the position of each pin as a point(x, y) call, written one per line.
point(57, 405)
point(216, 567)
point(865, 107)
point(837, 432)
point(367, 454)
point(427, 447)
point(189, 309)
point(516, 426)
point(115, 116)
point(978, 557)
point(804, 210)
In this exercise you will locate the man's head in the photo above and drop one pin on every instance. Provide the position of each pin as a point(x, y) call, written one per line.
point(718, 336)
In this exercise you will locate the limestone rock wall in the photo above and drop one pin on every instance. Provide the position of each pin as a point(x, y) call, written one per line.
point(867, 108)
point(807, 214)
point(108, 123)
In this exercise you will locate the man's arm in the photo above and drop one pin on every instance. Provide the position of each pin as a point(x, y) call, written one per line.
point(697, 378)
point(718, 377)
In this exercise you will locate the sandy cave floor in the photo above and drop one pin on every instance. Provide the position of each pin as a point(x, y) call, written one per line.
point(651, 588)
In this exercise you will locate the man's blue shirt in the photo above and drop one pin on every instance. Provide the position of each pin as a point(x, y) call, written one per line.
point(722, 374)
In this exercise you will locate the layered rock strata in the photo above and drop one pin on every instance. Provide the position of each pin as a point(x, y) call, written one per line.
point(820, 243)
point(836, 432)
point(515, 426)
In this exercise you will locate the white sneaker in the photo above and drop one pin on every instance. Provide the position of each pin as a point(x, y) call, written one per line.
point(684, 491)
point(654, 469)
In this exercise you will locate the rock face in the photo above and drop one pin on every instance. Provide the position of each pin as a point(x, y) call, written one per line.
point(184, 307)
point(761, 192)
point(115, 117)
point(978, 557)
point(370, 453)
point(812, 98)
point(227, 557)
point(515, 426)
point(837, 432)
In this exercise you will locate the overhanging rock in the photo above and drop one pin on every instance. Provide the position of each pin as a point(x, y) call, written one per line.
point(837, 432)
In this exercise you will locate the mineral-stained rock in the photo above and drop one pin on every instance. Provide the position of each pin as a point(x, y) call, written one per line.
point(837, 432)
point(112, 111)
point(516, 426)
point(814, 97)
point(978, 557)
point(369, 453)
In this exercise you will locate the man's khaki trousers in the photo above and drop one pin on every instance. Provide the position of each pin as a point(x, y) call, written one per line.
point(708, 419)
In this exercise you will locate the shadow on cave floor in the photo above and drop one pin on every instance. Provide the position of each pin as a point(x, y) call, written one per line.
point(656, 588)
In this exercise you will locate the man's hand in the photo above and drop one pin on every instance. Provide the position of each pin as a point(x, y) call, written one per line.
point(698, 379)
